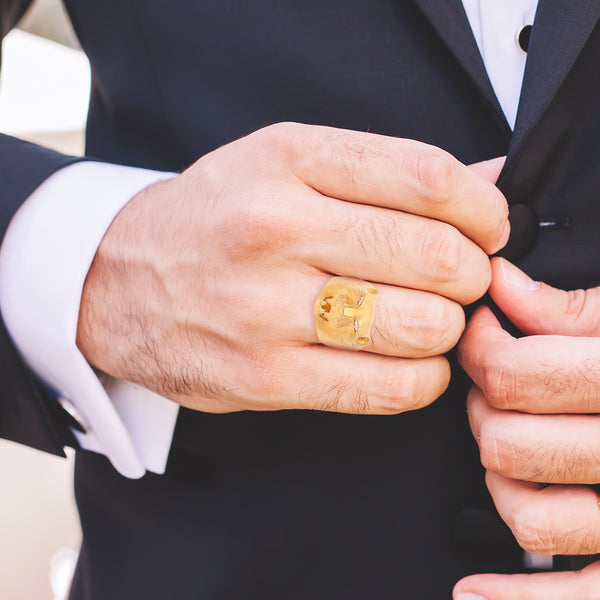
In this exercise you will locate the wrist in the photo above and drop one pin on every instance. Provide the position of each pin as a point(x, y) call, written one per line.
point(109, 330)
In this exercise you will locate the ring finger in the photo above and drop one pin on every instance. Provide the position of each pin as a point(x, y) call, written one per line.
point(406, 323)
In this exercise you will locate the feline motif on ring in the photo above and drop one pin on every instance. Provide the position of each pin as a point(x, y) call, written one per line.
point(344, 313)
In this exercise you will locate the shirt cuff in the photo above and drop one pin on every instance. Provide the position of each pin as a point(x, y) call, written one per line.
point(44, 260)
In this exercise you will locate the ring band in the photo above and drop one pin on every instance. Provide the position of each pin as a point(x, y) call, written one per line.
point(344, 313)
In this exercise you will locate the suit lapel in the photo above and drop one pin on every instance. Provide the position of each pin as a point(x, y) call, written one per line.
point(560, 31)
point(450, 21)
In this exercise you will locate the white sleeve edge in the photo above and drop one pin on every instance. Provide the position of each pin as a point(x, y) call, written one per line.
point(44, 259)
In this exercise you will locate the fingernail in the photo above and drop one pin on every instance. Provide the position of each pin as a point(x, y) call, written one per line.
point(516, 278)
point(469, 596)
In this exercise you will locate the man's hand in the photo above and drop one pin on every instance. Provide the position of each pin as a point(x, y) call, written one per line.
point(203, 287)
point(580, 585)
point(534, 414)
point(533, 411)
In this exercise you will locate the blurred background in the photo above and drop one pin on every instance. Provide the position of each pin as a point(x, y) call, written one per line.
point(44, 91)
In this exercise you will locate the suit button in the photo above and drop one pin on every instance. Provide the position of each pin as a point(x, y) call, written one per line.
point(523, 37)
point(524, 227)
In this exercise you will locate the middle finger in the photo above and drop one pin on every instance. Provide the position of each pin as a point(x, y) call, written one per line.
point(390, 246)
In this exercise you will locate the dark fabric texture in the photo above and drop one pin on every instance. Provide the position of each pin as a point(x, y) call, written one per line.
point(27, 414)
point(299, 504)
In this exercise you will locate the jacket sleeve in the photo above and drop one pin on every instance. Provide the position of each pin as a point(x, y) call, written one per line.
point(28, 414)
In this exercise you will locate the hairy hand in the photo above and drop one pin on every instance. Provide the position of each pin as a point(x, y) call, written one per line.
point(203, 287)
point(533, 411)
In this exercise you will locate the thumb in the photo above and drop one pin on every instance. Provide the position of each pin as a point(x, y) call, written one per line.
point(537, 308)
point(540, 586)
point(489, 169)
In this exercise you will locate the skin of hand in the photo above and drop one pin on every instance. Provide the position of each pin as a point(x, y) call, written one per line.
point(203, 287)
point(570, 585)
point(533, 411)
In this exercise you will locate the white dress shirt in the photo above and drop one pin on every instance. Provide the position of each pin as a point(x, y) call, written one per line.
point(52, 239)
point(496, 25)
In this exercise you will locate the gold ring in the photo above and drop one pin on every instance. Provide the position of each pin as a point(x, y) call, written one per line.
point(344, 313)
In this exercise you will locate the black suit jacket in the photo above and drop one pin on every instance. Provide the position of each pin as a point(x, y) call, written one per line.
point(298, 504)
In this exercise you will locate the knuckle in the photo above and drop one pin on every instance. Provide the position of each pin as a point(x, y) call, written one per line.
point(577, 308)
point(394, 394)
point(433, 327)
point(251, 227)
point(575, 302)
point(436, 175)
point(496, 455)
point(531, 532)
point(440, 250)
point(284, 131)
point(541, 529)
point(258, 227)
point(500, 384)
point(280, 140)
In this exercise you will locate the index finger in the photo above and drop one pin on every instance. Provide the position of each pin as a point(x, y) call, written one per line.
point(404, 175)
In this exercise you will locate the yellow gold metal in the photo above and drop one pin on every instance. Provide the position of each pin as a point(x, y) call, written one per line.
point(344, 313)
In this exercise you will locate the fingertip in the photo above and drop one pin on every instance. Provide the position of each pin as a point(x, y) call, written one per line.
point(505, 235)
point(503, 228)
point(475, 265)
point(498, 227)
point(474, 587)
point(489, 169)
point(483, 317)
point(506, 276)
point(534, 307)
